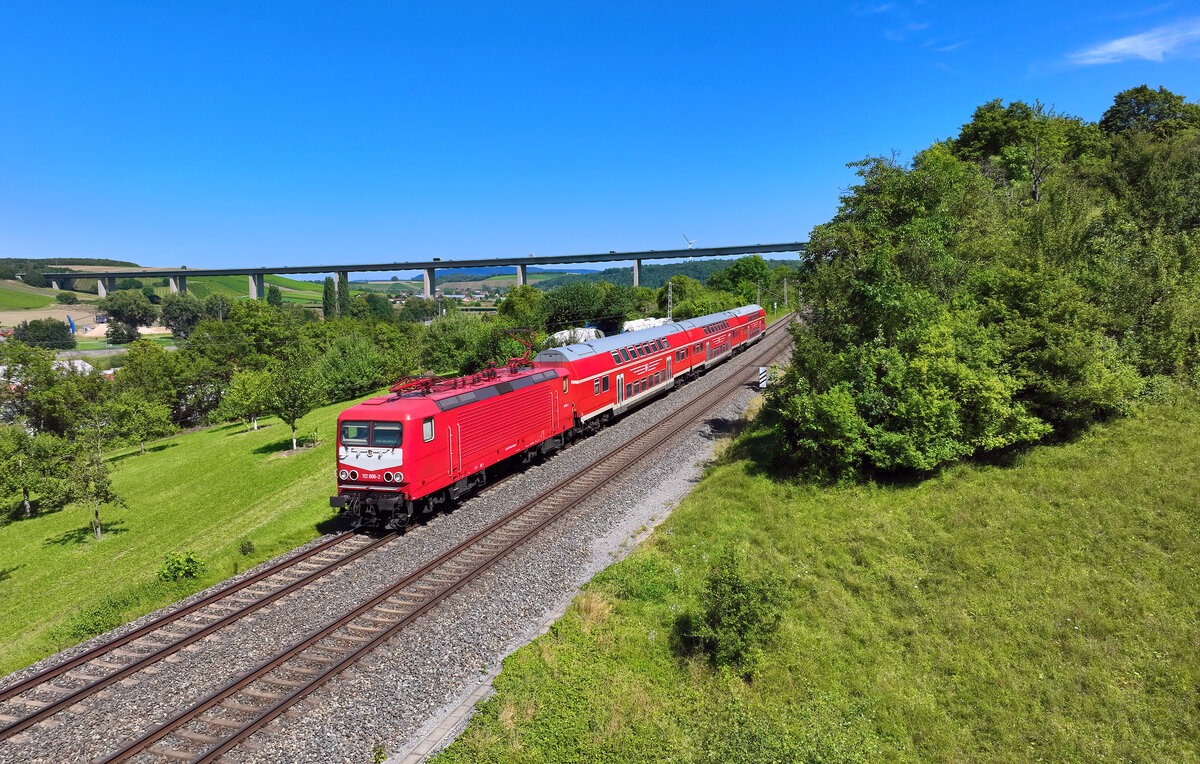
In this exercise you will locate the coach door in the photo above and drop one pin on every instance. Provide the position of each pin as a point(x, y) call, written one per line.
point(620, 389)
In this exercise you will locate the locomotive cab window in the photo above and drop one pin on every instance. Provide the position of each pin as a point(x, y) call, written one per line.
point(356, 433)
point(386, 434)
point(427, 429)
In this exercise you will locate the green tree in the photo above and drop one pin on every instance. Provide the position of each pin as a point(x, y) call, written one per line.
point(329, 298)
point(180, 313)
point(139, 419)
point(34, 278)
point(34, 465)
point(248, 394)
point(352, 366)
point(127, 310)
point(274, 296)
point(217, 307)
point(46, 333)
point(1142, 109)
point(296, 389)
point(741, 277)
point(151, 295)
point(91, 483)
point(343, 296)
point(522, 306)
point(379, 307)
point(67, 298)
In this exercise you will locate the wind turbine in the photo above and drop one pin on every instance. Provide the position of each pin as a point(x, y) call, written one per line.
point(689, 241)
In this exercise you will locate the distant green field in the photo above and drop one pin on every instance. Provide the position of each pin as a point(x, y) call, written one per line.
point(16, 299)
point(234, 287)
point(58, 585)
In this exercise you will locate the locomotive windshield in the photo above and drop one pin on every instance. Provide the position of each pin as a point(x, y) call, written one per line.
point(377, 434)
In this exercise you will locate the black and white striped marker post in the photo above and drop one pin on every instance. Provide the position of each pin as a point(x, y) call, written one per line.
point(762, 376)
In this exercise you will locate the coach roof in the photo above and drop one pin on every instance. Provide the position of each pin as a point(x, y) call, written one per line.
point(616, 342)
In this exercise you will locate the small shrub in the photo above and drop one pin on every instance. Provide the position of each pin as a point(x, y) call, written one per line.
point(378, 755)
point(178, 566)
point(246, 547)
point(740, 613)
point(66, 298)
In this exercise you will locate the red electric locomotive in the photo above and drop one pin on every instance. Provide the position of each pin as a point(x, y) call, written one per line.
point(433, 440)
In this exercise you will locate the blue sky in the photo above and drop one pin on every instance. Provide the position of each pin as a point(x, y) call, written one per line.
point(224, 134)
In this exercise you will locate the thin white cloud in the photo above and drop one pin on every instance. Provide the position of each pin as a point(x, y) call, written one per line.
point(873, 9)
point(1177, 38)
point(901, 34)
point(950, 47)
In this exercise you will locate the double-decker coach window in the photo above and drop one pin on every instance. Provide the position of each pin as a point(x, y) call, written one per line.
point(604, 385)
point(356, 433)
point(625, 354)
point(595, 387)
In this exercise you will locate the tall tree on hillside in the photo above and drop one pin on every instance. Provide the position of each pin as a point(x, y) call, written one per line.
point(1150, 111)
point(248, 394)
point(34, 464)
point(91, 483)
point(274, 296)
point(138, 419)
point(296, 389)
point(343, 297)
point(329, 298)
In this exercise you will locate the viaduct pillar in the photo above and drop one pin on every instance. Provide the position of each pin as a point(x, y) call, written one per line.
point(340, 276)
point(61, 283)
point(522, 275)
point(258, 289)
point(104, 286)
point(637, 272)
point(178, 284)
point(429, 283)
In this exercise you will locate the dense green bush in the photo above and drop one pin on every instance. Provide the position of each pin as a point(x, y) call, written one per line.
point(66, 298)
point(178, 565)
point(738, 615)
point(46, 333)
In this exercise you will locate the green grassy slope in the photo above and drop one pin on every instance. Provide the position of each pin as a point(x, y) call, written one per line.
point(14, 296)
point(204, 491)
point(1046, 611)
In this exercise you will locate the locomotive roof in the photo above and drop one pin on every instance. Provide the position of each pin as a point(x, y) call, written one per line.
point(453, 392)
point(616, 341)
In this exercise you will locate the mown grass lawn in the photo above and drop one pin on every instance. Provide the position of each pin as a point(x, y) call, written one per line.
point(1048, 610)
point(204, 491)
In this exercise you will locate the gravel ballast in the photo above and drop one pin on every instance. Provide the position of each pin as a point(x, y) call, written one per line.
point(404, 695)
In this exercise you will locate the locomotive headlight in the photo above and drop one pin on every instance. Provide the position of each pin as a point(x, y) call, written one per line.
point(387, 477)
point(343, 474)
point(354, 474)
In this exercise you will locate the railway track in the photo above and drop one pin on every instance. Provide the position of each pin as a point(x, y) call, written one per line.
point(226, 717)
point(47, 692)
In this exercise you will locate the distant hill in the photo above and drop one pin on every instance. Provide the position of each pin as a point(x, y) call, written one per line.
point(20, 264)
point(654, 276)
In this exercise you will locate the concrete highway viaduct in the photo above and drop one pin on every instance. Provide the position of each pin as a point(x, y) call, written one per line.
point(177, 277)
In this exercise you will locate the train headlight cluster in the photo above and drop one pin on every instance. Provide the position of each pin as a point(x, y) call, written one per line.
point(387, 477)
point(344, 475)
point(354, 474)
